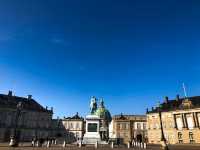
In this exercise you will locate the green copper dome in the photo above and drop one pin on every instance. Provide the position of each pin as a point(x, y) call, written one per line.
point(103, 113)
point(100, 111)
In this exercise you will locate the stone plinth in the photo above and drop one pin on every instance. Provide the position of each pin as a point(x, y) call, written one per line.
point(92, 130)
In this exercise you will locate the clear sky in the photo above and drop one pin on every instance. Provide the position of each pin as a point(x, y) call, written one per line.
point(130, 52)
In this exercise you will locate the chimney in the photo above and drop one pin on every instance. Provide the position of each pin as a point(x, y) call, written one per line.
point(9, 93)
point(177, 97)
point(166, 99)
point(29, 97)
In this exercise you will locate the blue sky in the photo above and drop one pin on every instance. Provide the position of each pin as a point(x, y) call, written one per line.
point(131, 53)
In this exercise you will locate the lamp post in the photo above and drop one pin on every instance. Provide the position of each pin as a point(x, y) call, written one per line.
point(35, 138)
point(163, 140)
point(14, 141)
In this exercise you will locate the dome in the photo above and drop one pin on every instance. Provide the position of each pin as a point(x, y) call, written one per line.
point(103, 113)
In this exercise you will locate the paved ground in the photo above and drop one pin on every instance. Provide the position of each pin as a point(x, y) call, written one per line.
point(73, 147)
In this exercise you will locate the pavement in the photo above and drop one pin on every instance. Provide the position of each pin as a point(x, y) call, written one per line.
point(27, 146)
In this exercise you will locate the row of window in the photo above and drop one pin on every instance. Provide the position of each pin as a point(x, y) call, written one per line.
point(156, 116)
point(72, 125)
point(125, 126)
point(140, 126)
point(191, 137)
point(165, 125)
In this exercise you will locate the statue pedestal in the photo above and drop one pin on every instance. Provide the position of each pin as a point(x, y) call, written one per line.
point(92, 130)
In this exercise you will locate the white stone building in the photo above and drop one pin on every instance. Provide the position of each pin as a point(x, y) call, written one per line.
point(74, 127)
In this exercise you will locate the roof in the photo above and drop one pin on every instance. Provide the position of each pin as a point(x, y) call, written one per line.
point(129, 117)
point(177, 104)
point(9, 101)
point(75, 117)
point(120, 117)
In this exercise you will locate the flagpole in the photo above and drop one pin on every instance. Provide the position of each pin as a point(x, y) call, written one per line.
point(184, 89)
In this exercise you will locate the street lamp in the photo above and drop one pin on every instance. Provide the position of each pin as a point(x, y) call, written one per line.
point(15, 138)
point(163, 139)
point(35, 138)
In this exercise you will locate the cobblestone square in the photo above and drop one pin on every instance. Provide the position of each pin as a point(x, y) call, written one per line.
point(91, 147)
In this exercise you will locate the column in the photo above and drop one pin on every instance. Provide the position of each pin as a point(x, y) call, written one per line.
point(183, 120)
point(175, 123)
point(197, 119)
point(186, 124)
point(194, 119)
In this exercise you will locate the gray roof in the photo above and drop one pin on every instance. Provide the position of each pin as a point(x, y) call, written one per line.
point(75, 117)
point(9, 101)
point(176, 104)
point(129, 117)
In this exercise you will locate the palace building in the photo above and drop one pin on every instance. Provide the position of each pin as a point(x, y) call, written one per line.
point(25, 117)
point(128, 128)
point(180, 120)
point(75, 127)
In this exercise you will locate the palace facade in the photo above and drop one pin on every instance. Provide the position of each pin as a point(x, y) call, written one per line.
point(75, 128)
point(180, 120)
point(24, 117)
point(128, 128)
